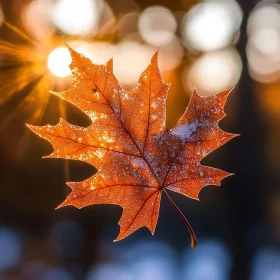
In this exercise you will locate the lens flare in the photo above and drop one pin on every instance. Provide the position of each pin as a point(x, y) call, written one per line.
point(58, 62)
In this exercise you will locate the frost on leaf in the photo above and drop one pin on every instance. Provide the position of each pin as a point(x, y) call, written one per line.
point(137, 158)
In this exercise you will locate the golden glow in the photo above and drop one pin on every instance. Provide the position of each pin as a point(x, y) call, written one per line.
point(58, 62)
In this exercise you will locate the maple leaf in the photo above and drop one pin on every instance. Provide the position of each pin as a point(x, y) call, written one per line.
point(137, 158)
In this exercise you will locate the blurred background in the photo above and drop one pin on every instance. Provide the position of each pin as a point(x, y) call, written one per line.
point(210, 45)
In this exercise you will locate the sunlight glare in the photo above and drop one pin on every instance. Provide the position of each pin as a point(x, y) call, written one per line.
point(58, 62)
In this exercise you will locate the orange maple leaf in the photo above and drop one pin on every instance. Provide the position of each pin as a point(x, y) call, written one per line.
point(137, 158)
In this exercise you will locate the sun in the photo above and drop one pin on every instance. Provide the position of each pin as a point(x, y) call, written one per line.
point(58, 62)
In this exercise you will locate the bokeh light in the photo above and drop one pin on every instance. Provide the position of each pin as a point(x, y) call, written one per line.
point(211, 25)
point(143, 248)
point(130, 59)
point(263, 65)
point(214, 72)
point(108, 271)
point(153, 268)
point(170, 55)
point(264, 42)
point(128, 24)
point(57, 274)
point(271, 37)
point(107, 20)
point(268, 10)
point(151, 260)
point(58, 62)
point(77, 17)
point(98, 52)
point(157, 25)
point(10, 248)
point(210, 261)
point(265, 265)
point(36, 17)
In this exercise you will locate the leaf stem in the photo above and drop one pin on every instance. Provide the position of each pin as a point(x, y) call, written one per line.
point(192, 234)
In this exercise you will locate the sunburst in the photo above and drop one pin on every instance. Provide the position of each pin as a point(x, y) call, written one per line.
point(26, 65)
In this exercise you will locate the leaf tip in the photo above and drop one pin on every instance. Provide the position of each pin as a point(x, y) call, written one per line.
point(61, 205)
point(232, 88)
point(28, 125)
point(195, 93)
point(33, 128)
point(109, 64)
point(73, 54)
point(226, 92)
point(48, 156)
point(118, 238)
point(53, 92)
point(155, 56)
point(69, 48)
point(230, 136)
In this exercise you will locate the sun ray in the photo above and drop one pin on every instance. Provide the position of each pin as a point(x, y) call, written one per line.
point(26, 78)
